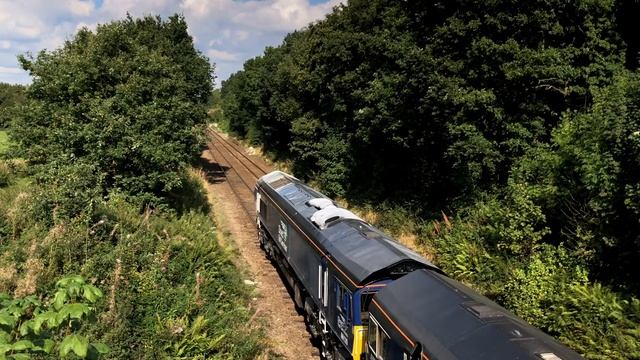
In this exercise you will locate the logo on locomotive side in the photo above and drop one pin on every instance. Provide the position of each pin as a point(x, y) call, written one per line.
point(282, 234)
point(343, 325)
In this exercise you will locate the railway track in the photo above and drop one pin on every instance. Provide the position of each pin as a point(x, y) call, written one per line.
point(261, 168)
point(231, 176)
point(237, 168)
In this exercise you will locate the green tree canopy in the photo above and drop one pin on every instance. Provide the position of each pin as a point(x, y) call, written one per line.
point(441, 96)
point(519, 117)
point(125, 101)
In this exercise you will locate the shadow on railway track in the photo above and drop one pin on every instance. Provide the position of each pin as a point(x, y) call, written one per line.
point(215, 173)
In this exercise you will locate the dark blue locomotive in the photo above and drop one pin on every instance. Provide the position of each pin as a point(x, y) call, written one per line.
point(367, 297)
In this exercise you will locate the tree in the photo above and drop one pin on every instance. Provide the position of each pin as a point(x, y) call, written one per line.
point(520, 117)
point(436, 99)
point(125, 100)
point(10, 97)
point(590, 184)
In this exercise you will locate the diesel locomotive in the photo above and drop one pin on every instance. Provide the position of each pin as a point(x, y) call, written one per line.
point(365, 296)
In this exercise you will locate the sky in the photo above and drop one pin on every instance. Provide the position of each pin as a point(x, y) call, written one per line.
point(229, 32)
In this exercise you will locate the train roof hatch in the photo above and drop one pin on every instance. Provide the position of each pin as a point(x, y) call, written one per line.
point(323, 217)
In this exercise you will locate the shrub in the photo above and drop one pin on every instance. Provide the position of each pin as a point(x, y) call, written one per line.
point(598, 322)
point(5, 174)
point(66, 190)
point(11, 96)
point(540, 284)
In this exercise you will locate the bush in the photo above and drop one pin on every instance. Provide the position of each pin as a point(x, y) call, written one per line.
point(11, 97)
point(599, 322)
point(66, 190)
point(4, 142)
point(541, 283)
point(5, 174)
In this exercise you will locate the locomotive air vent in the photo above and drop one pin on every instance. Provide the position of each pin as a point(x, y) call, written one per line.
point(280, 182)
point(320, 203)
point(372, 235)
point(484, 311)
point(277, 179)
point(322, 218)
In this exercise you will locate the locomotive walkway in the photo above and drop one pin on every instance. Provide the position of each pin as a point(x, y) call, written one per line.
point(231, 174)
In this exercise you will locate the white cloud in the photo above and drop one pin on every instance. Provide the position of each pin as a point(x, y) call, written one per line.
point(228, 31)
point(10, 70)
point(265, 15)
point(80, 7)
point(220, 55)
point(199, 8)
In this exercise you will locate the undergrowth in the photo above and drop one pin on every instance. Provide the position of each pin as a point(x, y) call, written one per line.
point(170, 290)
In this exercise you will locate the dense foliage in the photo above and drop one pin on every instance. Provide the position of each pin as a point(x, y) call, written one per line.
point(10, 97)
point(30, 326)
point(124, 102)
point(521, 118)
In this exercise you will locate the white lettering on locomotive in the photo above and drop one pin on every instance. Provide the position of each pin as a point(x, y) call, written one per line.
point(282, 234)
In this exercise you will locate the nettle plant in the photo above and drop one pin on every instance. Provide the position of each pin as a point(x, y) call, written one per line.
point(29, 326)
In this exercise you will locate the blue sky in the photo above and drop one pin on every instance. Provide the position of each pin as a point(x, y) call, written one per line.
point(228, 31)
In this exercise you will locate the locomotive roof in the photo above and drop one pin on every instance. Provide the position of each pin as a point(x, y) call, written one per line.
point(452, 321)
point(361, 250)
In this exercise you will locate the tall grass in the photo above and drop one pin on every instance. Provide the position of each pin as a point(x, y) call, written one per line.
point(4, 141)
point(170, 290)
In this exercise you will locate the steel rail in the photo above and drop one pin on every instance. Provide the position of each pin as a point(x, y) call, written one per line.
point(248, 212)
point(233, 150)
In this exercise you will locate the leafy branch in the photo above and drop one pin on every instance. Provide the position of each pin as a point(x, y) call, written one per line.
point(30, 326)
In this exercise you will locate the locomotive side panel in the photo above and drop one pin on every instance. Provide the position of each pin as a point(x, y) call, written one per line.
point(300, 255)
point(339, 308)
point(307, 263)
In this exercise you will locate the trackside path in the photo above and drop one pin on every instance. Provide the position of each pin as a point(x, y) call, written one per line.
point(231, 175)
